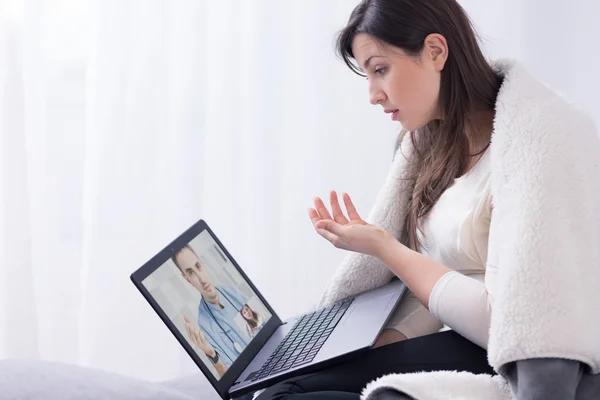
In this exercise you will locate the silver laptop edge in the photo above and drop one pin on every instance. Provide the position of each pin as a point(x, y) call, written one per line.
point(357, 330)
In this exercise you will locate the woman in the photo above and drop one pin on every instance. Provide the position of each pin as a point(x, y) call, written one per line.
point(254, 321)
point(490, 209)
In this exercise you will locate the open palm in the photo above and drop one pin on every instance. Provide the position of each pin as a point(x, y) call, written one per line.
point(349, 233)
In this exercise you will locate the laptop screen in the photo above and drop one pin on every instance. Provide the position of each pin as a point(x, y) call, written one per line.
point(208, 301)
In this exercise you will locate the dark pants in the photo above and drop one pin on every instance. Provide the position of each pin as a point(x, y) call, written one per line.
point(440, 351)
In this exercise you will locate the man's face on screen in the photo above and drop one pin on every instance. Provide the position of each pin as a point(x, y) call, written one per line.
point(195, 272)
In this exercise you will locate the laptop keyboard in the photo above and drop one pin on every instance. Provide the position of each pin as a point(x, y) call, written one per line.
point(303, 342)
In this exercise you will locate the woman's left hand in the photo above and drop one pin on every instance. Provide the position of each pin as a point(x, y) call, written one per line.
point(348, 233)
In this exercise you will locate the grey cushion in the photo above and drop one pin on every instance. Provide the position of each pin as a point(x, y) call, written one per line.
point(37, 380)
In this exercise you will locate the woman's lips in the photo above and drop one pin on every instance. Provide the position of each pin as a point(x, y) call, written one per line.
point(395, 114)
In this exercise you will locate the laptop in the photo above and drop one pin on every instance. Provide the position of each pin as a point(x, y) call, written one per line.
point(231, 331)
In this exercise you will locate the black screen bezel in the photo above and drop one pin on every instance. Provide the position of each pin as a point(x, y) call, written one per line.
point(222, 385)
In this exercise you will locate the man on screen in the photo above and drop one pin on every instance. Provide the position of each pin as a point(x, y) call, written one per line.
point(217, 335)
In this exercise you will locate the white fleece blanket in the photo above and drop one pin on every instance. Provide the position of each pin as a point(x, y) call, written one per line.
point(544, 238)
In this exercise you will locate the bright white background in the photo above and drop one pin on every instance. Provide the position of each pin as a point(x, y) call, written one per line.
point(123, 122)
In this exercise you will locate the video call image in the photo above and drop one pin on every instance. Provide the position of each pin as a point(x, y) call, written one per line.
point(209, 302)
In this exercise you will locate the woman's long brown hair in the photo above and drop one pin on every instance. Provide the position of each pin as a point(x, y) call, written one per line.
point(469, 85)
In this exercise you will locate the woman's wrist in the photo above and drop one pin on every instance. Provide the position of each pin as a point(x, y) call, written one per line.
point(419, 273)
point(391, 251)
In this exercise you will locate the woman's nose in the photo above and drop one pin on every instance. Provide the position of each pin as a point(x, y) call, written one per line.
point(376, 96)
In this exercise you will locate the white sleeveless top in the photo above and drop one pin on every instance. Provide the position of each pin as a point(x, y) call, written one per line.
point(455, 234)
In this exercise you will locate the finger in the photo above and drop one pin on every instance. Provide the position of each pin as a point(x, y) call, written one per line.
point(352, 213)
point(331, 227)
point(191, 335)
point(187, 321)
point(314, 216)
point(188, 331)
point(336, 210)
point(335, 240)
point(321, 209)
point(197, 338)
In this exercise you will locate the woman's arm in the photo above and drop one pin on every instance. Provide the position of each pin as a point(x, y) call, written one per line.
point(418, 272)
point(458, 301)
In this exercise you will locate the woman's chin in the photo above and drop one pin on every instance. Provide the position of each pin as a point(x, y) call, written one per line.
point(406, 126)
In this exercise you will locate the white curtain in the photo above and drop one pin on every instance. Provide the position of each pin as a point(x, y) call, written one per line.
point(124, 122)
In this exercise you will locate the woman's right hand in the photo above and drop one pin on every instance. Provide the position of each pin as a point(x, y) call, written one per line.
point(351, 233)
point(320, 212)
point(196, 336)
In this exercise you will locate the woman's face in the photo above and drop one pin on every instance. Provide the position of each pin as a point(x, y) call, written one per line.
point(406, 87)
point(246, 312)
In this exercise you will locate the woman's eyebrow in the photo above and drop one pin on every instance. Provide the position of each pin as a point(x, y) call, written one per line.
point(366, 66)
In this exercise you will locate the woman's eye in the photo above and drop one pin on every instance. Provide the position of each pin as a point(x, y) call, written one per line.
point(380, 71)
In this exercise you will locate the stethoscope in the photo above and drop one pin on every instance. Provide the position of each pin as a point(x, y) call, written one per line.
point(236, 345)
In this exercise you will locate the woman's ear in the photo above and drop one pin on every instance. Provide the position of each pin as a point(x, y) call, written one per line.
point(435, 51)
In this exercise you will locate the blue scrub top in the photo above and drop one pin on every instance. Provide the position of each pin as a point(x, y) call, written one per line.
point(223, 337)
